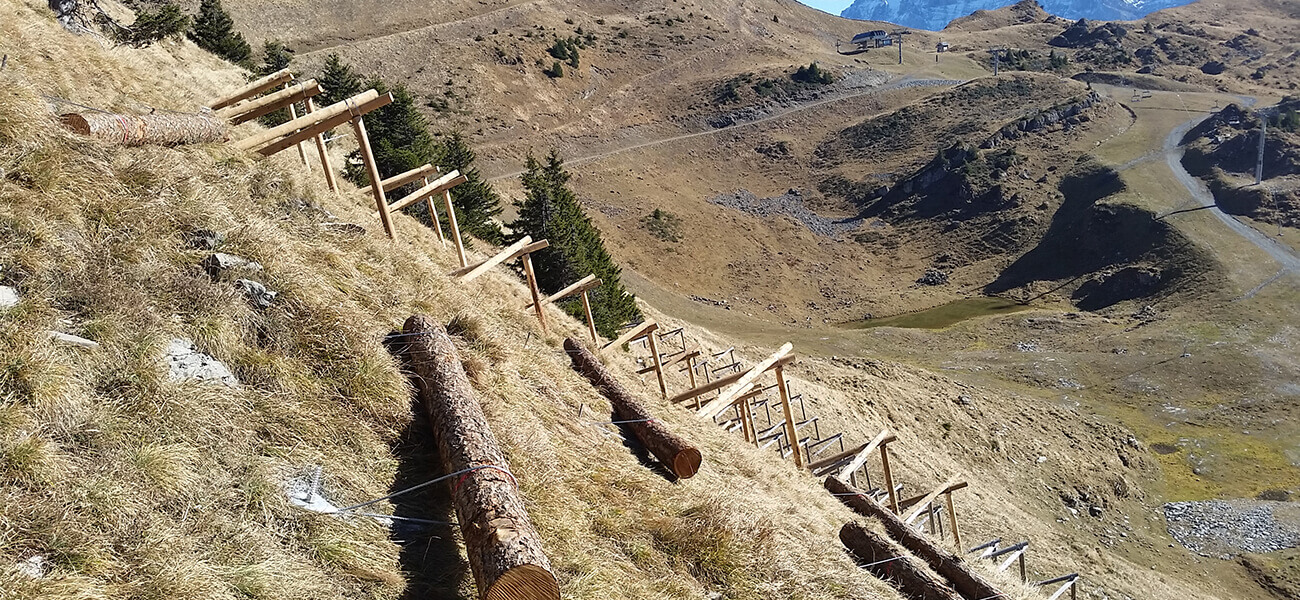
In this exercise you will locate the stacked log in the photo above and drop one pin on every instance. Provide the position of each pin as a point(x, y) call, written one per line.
point(891, 562)
point(165, 129)
point(967, 583)
point(505, 552)
point(677, 454)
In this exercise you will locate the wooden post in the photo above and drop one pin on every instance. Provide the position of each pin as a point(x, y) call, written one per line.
point(690, 370)
point(368, 157)
point(527, 259)
point(892, 563)
point(659, 366)
point(433, 216)
point(790, 434)
point(889, 477)
point(952, 519)
point(293, 114)
point(505, 553)
point(513, 251)
point(725, 397)
point(455, 228)
point(591, 323)
point(967, 583)
point(675, 453)
point(749, 416)
point(742, 406)
point(323, 152)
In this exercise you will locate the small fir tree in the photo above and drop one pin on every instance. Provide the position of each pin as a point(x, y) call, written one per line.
point(551, 211)
point(214, 31)
point(150, 26)
point(399, 137)
point(338, 81)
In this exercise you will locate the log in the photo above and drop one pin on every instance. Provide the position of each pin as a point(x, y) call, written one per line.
point(674, 452)
point(967, 583)
point(505, 552)
point(906, 574)
point(165, 129)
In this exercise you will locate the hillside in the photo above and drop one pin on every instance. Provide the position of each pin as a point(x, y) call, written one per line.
point(1151, 361)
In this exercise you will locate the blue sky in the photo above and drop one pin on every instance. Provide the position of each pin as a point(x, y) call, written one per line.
point(831, 6)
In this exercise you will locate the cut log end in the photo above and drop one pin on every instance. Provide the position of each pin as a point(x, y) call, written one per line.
point(687, 463)
point(524, 582)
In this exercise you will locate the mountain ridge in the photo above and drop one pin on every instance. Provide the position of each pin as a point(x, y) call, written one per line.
point(934, 15)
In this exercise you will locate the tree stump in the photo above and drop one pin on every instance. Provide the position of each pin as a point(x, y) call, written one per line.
point(970, 585)
point(674, 452)
point(891, 562)
point(505, 552)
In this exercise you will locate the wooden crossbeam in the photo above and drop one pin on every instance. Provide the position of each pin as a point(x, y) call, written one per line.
point(402, 179)
point(586, 283)
point(438, 186)
point(1069, 582)
point(314, 124)
point(884, 437)
point(639, 331)
point(910, 502)
point(252, 109)
point(718, 384)
point(685, 356)
point(928, 498)
point(725, 397)
point(252, 89)
point(511, 252)
point(838, 458)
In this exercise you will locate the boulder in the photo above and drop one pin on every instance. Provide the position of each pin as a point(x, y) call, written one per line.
point(186, 363)
point(204, 239)
point(256, 292)
point(220, 264)
point(9, 297)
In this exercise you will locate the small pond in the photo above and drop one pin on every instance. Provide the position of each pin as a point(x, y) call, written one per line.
point(947, 315)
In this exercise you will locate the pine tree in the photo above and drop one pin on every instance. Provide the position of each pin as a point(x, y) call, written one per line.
point(275, 57)
point(214, 31)
point(551, 211)
point(399, 137)
point(338, 81)
point(153, 25)
point(475, 201)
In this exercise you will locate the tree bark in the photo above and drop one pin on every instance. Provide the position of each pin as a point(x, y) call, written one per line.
point(674, 452)
point(166, 129)
point(967, 583)
point(504, 550)
point(906, 574)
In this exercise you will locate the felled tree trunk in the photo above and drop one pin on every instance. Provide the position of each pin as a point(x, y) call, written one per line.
point(674, 452)
point(504, 550)
point(165, 129)
point(967, 583)
point(882, 558)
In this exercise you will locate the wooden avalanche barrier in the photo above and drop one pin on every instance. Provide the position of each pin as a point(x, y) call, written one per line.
point(891, 562)
point(967, 583)
point(504, 550)
point(677, 454)
point(166, 129)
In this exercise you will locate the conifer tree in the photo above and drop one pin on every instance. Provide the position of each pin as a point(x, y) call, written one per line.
point(275, 57)
point(214, 31)
point(338, 81)
point(475, 201)
point(399, 137)
point(551, 211)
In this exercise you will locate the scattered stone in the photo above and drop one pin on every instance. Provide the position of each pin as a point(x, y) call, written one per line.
point(1094, 512)
point(348, 229)
point(256, 292)
point(1224, 527)
point(790, 204)
point(1148, 313)
point(35, 566)
point(185, 362)
point(221, 263)
point(204, 239)
point(933, 277)
point(1027, 347)
point(73, 340)
point(1068, 384)
point(9, 297)
point(964, 401)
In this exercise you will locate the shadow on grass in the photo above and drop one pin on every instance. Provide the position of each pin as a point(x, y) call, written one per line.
point(642, 455)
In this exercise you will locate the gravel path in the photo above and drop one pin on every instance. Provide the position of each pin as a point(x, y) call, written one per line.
point(1226, 527)
point(790, 204)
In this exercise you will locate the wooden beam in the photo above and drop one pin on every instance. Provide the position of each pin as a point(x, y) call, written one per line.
point(591, 322)
point(527, 260)
point(516, 250)
point(640, 330)
point(348, 108)
point(659, 367)
point(372, 170)
point(582, 285)
point(472, 273)
point(323, 152)
point(327, 124)
point(294, 92)
point(718, 384)
point(884, 437)
point(433, 216)
point(910, 502)
point(439, 185)
point(889, 478)
point(791, 434)
point(252, 89)
point(675, 360)
point(952, 518)
point(455, 227)
point(832, 460)
point(726, 396)
point(927, 499)
point(402, 179)
point(302, 152)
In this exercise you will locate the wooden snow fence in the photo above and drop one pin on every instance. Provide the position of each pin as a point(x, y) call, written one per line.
point(293, 93)
point(505, 552)
point(891, 562)
point(253, 88)
point(160, 128)
point(967, 583)
point(677, 454)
